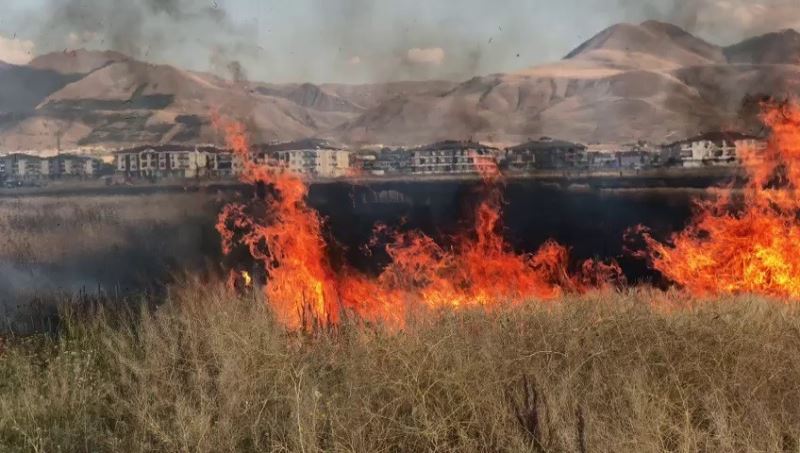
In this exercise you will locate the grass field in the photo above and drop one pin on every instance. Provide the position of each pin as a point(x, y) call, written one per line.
point(56, 244)
point(53, 230)
point(211, 371)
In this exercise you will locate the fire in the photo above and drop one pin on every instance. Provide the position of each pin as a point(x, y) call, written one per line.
point(479, 268)
point(746, 242)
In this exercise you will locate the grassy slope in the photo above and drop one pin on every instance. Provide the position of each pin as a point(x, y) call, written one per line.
point(210, 372)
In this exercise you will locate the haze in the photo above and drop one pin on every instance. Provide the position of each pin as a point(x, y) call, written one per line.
point(359, 40)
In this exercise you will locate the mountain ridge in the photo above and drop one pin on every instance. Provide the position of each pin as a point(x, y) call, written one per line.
point(652, 81)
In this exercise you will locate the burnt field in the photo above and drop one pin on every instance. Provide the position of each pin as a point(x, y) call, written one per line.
point(592, 223)
point(128, 242)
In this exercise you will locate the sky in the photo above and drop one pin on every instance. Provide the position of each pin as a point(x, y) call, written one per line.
point(356, 41)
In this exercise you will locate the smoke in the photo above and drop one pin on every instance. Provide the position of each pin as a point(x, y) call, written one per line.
point(719, 21)
point(174, 31)
point(432, 55)
point(368, 41)
point(15, 51)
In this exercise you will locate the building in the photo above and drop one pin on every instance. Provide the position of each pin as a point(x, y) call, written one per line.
point(183, 161)
point(71, 165)
point(546, 154)
point(309, 158)
point(218, 163)
point(332, 163)
point(601, 156)
point(27, 167)
point(452, 157)
point(389, 161)
point(713, 149)
point(22, 167)
point(631, 156)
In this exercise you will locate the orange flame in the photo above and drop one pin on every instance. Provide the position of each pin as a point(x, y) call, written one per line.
point(748, 242)
point(286, 236)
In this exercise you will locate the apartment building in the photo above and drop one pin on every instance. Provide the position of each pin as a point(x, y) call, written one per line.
point(182, 161)
point(546, 154)
point(452, 157)
point(714, 149)
point(311, 158)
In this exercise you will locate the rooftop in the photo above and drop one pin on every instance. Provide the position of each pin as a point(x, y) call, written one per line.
point(546, 143)
point(453, 144)
point(306, 144)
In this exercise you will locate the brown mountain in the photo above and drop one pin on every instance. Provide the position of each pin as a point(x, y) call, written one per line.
point(310, 96)
point(78, 61)
point(132, 102)
point(772, 48)
point(653, 38)
point(650, 81)
point(22, 88)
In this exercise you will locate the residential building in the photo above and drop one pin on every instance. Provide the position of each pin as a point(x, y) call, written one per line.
point(175, 161)
point(630, 156)
point(453, 157)
point(546, 154)
point(332, 163)
point(713, 149)
point(19, 166)
point(389, 162)
point(309, 158)
point(219, 163)
point(67, 165)
point(26, 167)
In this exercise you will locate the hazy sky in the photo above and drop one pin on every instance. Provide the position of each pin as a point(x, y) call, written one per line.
point(360, 40)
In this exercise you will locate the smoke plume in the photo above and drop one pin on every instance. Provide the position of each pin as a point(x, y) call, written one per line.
point(152, 30)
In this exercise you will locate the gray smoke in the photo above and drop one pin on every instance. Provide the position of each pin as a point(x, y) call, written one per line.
point(721, 22)
point(151, 30)
point(369, 41)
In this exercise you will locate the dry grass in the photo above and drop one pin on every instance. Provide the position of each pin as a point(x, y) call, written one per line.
point(123, 243)
point(208, 371)
point(52, 230)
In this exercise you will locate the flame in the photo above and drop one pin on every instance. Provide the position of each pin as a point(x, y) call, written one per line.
point(745, 241)
point(247, 279)
point(479, 268)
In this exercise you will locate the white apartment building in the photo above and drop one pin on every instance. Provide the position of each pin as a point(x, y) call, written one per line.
point(177, 161)
point(715, 148)
point(453, 157)
point(19, 166)
point(332, 163)
point(308, 158)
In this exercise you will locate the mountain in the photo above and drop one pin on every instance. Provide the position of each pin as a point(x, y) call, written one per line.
point(78, 61)
point(22, 88)
point(131, 102)
point(310, 96)
point(773, 48)
point(653, 38)
point(650, 81)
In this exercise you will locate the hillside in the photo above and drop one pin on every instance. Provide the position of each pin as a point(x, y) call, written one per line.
point(78, 61)
point(131, 102)
point(652, 38)
point(651, 81)
point(772, 48)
